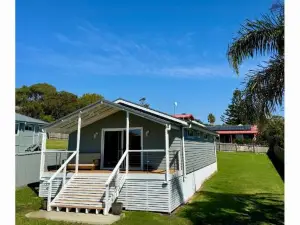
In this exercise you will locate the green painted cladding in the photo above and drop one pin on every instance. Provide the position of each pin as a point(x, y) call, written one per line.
point(90, 140)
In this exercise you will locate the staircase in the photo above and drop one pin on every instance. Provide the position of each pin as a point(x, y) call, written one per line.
point(83, 193)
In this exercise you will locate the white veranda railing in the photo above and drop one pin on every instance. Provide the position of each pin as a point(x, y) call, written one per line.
point(116, 180)
point(112, 189)
point(64, 169)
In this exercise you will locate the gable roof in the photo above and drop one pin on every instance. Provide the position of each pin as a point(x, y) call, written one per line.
point(27, 119)
point(93, 113)
point(192, 123)
point(104, 108)
point(150, 111)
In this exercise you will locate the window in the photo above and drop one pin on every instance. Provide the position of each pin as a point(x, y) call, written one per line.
point(17, 129)
point(29, 127)
point(239, 136)
point(201, 135)
point(190, 133)
point(37, 128)
point(205, 137)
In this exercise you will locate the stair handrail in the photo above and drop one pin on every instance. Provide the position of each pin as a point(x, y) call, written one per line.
point(117, 167)
point(63, 166)
point(110, 178)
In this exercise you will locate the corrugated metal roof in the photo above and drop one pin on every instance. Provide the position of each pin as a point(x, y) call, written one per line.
point(104, 108)
point(229, 127)
point(184, 116)
point(23, 118)
point(92, 113)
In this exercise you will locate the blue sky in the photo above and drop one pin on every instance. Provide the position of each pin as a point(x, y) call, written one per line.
point(165, 51)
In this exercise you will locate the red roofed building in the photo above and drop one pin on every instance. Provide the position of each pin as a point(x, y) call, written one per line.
point(184, 116)
point(229, 133)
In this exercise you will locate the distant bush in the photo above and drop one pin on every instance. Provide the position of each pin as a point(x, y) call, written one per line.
point(243, 141)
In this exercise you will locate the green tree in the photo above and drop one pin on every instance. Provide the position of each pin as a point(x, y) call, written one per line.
point(211, 118)
point(47, 118)
point(88, 99)
point(238, 111)
point(60, 104)
point(273, 131)
point(43, 101)
point(264, 87)
point(38, 91)
point(33, 109)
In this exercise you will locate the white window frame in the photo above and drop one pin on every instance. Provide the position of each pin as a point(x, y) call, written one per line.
point(103, 130)
point(28, 126)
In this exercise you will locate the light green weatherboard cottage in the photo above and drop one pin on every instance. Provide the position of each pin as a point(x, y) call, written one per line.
point(123, 152)
point(27, 149)
point(27, 133)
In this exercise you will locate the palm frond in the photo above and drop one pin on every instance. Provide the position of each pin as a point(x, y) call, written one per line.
point(264, 88)
point(264, 36)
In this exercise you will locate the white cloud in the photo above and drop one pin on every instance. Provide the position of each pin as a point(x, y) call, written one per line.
point(99, 52)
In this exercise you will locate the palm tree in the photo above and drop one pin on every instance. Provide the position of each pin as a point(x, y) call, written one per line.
point(264, 87)
point(211, 118)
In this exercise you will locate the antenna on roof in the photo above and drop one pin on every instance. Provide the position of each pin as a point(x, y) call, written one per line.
point(175, 105)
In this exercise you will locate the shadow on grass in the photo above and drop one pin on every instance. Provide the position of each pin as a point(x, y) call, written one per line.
point(279, 166)
point(218, 208)
point(34, 187)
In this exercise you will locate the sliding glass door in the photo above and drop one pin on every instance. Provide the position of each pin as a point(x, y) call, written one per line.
point(115, 145)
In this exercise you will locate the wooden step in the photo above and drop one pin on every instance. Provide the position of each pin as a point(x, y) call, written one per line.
point(67, 194)
point(87, 184)
point(85, 201)
point(73, 206)
point(98, 198)
point(75, 192)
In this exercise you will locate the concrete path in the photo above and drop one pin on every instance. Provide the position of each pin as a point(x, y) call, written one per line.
point(75, 217)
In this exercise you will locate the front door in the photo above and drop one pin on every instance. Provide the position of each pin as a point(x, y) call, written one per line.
point(115, 145)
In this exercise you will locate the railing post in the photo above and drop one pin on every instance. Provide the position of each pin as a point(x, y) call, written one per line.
point(167, 152)
point(106, 200)
point(127, 142)
point(43, 148)
point(49, 197)
point(183, 152)
point(78, 142)
point(64, 176)
point(179, 161)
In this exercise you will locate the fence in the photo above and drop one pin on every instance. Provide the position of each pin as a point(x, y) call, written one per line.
point(28, 166)
point(231, 147)
point(58, 136)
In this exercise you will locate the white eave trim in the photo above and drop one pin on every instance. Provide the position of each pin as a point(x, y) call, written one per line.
point(151, 111)
point(200, 124)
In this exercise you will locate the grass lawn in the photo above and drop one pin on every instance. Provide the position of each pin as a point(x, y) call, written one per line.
point(56, 144)
point(245, 190)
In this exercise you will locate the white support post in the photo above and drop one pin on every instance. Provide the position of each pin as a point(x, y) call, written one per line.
point(49, 197)
point(179, 161)
point(183, 152)
point(167, 152)
point(64, 176)
point(215, 144)
point(105, 211)
point(43, 149)
point(78, 142)
point(127, 142)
